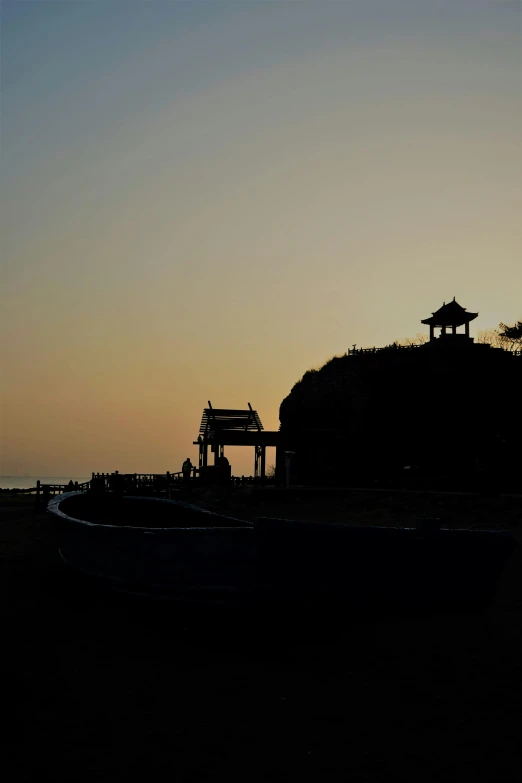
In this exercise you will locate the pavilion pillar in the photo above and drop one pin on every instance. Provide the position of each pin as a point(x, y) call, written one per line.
point(443, 332)
point(259, 463)
point(454, 329)
point(467, 328)
point(432, 332)
point(263, 462)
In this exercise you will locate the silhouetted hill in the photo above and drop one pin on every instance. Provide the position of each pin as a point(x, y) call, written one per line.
point(440, 406)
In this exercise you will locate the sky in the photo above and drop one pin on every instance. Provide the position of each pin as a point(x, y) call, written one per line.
point(202, 200)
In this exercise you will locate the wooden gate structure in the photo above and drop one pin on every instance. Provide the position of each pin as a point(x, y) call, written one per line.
point(222, 427)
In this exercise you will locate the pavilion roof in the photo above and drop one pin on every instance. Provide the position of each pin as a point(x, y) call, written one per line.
point(227, 420)
point(451, 314)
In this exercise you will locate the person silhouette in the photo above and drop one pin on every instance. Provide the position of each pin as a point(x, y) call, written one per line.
point(186, 469)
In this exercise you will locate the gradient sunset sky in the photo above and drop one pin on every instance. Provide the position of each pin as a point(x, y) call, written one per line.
point(202, 200)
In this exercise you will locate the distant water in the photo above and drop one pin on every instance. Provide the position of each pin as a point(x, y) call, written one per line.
point(26, 482)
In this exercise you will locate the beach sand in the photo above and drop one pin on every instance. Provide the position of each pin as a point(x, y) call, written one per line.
point(113, 687)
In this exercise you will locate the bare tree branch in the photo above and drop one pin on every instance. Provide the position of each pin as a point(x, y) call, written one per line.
point(419, 339)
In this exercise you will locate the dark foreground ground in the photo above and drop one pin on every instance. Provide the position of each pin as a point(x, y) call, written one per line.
point(114, 688)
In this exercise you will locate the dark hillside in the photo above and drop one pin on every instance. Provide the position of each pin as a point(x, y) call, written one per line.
point(447, 407)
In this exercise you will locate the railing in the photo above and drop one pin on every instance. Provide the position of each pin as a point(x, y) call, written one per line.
point(354, 351)
point(50, 490)
point(137, 482)
point(133, 483)
point(158, 481)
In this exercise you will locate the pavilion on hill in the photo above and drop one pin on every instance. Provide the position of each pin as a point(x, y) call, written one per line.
point(450, 317)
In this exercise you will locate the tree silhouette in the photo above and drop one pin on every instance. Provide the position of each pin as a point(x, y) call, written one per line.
point(491, 337)
point(512, 335)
